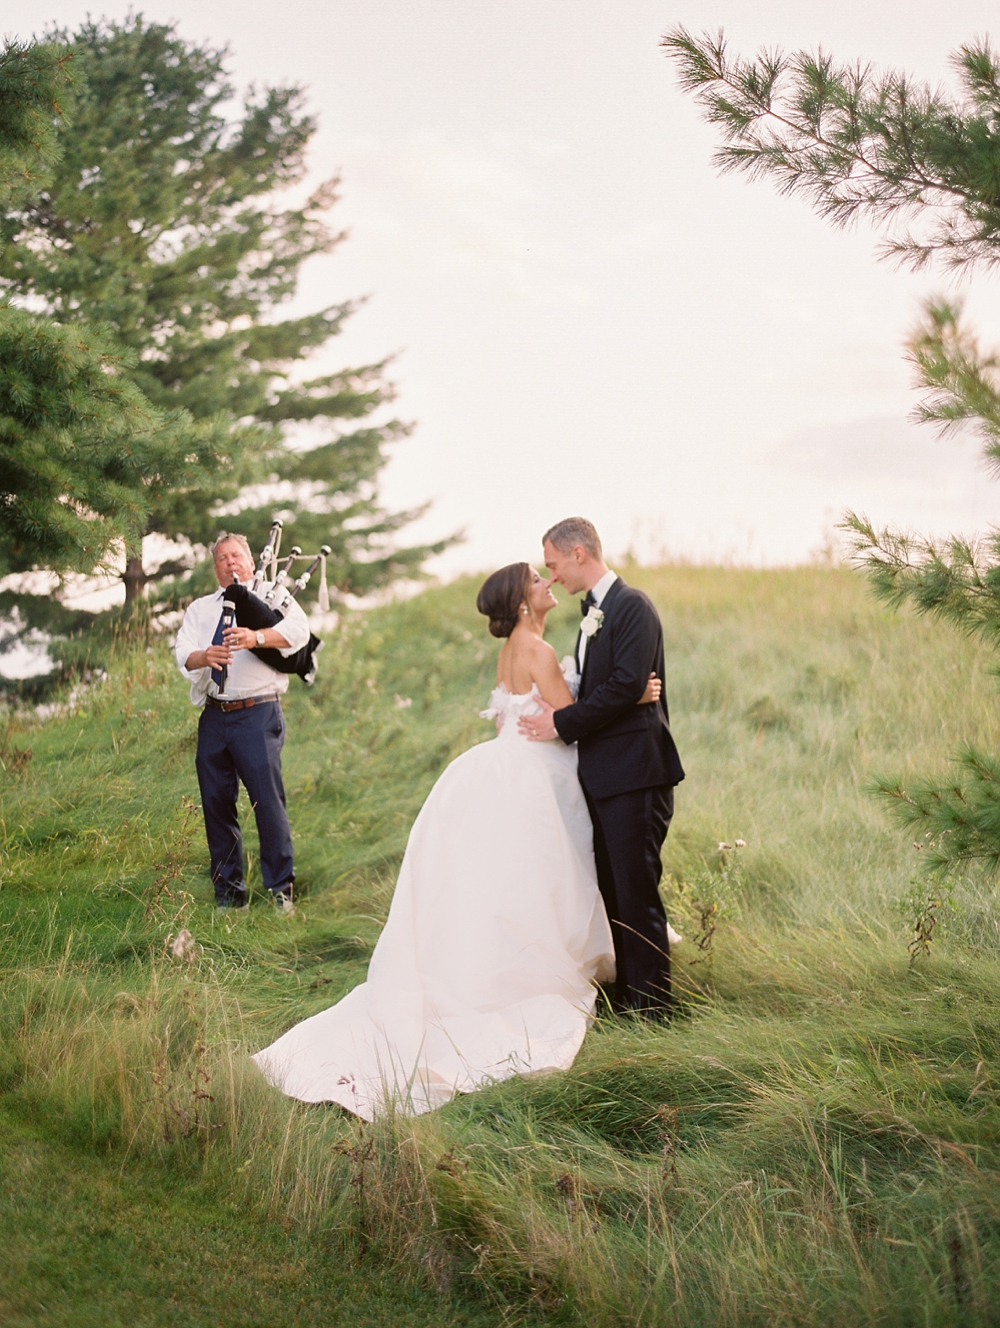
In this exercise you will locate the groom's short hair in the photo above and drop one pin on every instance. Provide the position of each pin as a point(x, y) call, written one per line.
point(566, 535)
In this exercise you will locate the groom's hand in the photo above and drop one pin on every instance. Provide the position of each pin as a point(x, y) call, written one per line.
point(539, 728)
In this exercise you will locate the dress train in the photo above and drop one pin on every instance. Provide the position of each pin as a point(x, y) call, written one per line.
point(495, 939)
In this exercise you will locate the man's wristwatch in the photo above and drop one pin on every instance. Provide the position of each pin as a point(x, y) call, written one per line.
point(260, 638)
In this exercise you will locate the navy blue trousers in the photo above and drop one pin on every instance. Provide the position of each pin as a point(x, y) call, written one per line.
point(244, 746)
point(629, 830)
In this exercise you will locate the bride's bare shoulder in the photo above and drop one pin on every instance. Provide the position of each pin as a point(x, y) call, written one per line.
point(542, 661)
point(541, 648)
point(524, 659)
point(534, 652)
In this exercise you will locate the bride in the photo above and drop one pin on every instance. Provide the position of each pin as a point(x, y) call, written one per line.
point(497, 934)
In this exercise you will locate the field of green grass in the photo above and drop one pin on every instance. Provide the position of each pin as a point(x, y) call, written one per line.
point(814, 1140)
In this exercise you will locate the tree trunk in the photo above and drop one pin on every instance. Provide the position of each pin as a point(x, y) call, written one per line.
point(135, 579)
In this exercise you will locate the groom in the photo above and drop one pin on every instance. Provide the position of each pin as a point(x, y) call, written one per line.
point(628, 762)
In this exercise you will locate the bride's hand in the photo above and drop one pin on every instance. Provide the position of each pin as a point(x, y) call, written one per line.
point(653, 689)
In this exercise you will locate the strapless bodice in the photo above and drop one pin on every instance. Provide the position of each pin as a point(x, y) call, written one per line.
point(504, 703)
point(510, 706)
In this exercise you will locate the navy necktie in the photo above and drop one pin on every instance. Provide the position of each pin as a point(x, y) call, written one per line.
point(217, 641)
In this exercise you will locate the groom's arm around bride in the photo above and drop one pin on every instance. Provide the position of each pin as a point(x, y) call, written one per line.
point(628, 762)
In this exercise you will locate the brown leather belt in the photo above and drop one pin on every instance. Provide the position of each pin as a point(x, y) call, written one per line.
point(245, 704)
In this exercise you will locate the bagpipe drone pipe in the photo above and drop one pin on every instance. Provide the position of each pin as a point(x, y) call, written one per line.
point(260, 613)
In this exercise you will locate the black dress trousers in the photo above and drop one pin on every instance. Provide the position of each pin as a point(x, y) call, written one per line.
point(234, 747)
point(629, 830)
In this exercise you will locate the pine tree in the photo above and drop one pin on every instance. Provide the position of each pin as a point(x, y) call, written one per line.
point(83, 454)
point(925, 166)
point(158, 222)
point(35, 90)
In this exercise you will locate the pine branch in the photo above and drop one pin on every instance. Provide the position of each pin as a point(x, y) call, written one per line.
point(36, 93)
point(859, 143)
point(956, 579)
point(961, 382)
point(959, 821)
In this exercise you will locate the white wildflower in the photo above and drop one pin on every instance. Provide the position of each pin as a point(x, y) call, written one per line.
point(401, 702)
point(184, 946)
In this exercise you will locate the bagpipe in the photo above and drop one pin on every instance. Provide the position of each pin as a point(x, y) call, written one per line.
point(258, 613)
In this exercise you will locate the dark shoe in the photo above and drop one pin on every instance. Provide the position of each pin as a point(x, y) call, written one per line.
point(652, 1014)
point(224, 903)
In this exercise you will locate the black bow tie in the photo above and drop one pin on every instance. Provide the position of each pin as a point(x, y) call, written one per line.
point(586, 603)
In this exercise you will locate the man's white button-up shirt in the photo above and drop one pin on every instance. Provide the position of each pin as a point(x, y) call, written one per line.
point(598, 592)
point(248, 675)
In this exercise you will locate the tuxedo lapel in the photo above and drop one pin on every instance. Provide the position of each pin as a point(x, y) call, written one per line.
point(609, 599)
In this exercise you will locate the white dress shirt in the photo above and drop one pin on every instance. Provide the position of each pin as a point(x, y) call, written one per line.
point(598, 592)
point(248, 675)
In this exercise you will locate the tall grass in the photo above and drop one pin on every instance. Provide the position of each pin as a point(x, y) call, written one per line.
point(815, 1136)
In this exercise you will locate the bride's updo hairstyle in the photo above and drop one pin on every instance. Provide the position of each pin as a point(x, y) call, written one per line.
point(501, 596)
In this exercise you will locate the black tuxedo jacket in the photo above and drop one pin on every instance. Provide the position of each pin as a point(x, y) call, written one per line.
point(622, 745)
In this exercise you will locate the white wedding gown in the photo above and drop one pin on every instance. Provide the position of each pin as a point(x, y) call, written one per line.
point(495, 938)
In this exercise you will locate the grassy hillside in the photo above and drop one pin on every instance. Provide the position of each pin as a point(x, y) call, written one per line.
point(814, 1138)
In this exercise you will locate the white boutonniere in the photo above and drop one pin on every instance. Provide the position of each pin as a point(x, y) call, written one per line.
point(593, 622)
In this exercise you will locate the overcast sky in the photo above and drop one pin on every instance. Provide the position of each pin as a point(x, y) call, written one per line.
point(588, 319)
